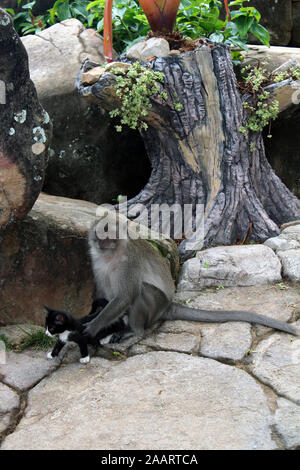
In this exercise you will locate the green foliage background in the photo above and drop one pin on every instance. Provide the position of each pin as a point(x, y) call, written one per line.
point(196, 18)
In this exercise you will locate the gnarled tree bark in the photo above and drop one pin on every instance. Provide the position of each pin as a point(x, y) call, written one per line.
point(198, 154)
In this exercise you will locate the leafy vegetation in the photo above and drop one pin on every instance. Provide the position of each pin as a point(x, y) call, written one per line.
point(134, 88)
point(37, 340)
point(195, 18)
point(202, 18)
point(262, 110)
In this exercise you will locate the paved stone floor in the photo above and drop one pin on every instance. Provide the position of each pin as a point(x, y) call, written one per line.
point(185, 385)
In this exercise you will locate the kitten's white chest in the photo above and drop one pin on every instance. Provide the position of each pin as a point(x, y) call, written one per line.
point(64, 336)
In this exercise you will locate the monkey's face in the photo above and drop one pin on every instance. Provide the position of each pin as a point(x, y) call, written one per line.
point(107, 232)
point(107, 244)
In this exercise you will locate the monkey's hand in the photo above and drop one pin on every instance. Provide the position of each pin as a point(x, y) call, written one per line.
point(106, 317)
point(89, 330)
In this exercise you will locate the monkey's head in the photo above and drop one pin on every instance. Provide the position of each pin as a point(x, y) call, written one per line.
point(108, 231)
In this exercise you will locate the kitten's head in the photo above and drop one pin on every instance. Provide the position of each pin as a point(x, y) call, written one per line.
point(56, 322)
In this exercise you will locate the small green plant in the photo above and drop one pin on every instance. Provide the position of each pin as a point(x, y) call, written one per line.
point(292, 72)
point(37, 340)
point(262, 113)
point(7, 343)
point(134, 89)
point(262, 109)
point(282, 286)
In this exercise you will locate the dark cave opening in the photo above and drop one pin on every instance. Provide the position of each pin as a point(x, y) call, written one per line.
point(90, 160)
point(283, 149)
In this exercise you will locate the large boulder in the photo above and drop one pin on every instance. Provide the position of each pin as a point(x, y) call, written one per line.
point(44, 261)
point(25, 129)
point(287, 248)
point(84, 138)
point(56, 53)
point(247, 265)
point(289, 239)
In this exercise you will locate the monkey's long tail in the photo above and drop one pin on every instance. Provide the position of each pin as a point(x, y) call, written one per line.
point(179, 312)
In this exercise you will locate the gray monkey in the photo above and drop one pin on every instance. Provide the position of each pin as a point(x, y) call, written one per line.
point(133, 276)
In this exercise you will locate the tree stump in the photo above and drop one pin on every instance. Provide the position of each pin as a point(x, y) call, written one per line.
point(25, 129)
point(198, 154)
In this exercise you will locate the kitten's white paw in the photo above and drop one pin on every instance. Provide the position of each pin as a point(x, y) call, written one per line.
point(84, 360)
point(49, 355)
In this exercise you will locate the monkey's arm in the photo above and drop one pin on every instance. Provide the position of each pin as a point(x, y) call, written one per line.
point(98, 304)
point(113, 310)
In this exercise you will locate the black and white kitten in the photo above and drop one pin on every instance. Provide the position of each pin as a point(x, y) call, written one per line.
point(69, 329)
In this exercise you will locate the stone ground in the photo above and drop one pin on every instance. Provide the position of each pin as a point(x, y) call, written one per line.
point(184, 385)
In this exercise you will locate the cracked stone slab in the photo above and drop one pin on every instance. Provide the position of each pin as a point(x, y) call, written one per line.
point(179, 326)
point(126, 345)
point(140, 403)
point(180, 342)
point(287, 422)
point(229, 341)
point(23, 370)
point(277, 364)
point(138, 349)
point(279, 301)
point(9, 402)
